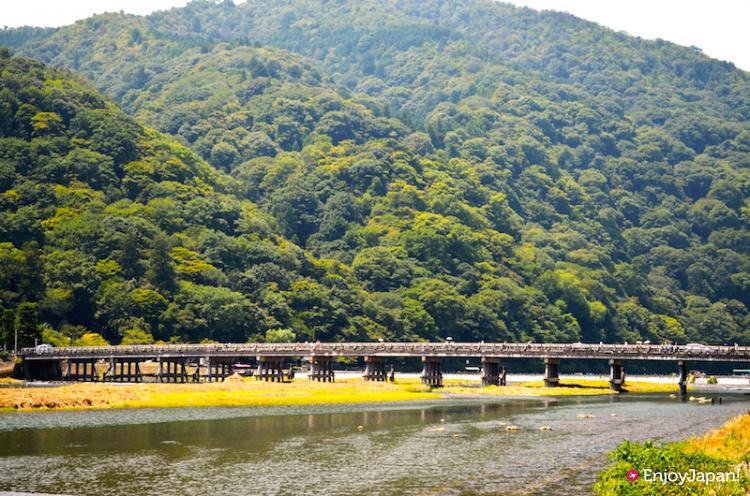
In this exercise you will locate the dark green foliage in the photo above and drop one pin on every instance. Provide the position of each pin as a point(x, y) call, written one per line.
point(27, 324)
point(110, 227)
point(7, 328)
point(161, 273)
point(405, 170)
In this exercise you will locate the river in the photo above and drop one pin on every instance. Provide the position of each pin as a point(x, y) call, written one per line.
point(457, 446)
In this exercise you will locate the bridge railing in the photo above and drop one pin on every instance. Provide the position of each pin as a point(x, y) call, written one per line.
point(530, 350)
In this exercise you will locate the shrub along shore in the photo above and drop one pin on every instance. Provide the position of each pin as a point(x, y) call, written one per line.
point(236, 391)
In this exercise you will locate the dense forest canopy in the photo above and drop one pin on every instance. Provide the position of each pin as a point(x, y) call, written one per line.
point(354, 170)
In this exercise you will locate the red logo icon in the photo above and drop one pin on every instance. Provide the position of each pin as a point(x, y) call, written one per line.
point(633, 475)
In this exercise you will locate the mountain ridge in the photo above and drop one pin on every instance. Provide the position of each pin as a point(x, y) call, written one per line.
point(463, 169)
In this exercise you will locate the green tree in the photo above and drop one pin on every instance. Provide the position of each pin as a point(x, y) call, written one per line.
point(7, 328)
point(280, 336)
point(91, 339)
point(161, 273)
point(55, 338)
point(27, 324)
point(136, 336)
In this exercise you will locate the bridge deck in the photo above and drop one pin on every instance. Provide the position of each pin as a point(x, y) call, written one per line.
point(499, 350)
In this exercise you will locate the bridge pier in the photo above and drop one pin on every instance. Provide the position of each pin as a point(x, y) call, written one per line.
point(45, 370)
point(321, 369)
point(270, 369)
point(129, 370)
point(172, 370)
point(81, 369)
point(216, 369)
point(683, 376)
point(375, 369)
point(432, 375)
point(490, 374)
point(551, 372)
point(616, 375)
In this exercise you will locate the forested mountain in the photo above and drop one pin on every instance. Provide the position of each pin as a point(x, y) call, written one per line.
point(398, 169)
point(111, 227)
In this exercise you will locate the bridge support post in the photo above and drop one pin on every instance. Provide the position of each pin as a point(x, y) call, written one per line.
point(114, 374)
point(183, 371)
point(321, 369)
point(432, 374)
point(172, 370)
point(551, 372)
point(490, 374)
point(137, 376)
point(616, 375)
point(123, 370)
point(44, 370)
point(216, 369)
point(160, 370)
point(208, 376)
point(109, 374)
point(270, 369)
point(683, 373)
point(81, 369)
point(375, 369)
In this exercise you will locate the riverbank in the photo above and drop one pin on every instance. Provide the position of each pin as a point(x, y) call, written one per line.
point(237, 391)
point(6, 367)
point(722, 451)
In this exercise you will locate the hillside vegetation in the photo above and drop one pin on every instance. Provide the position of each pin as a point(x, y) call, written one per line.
point(361, 170)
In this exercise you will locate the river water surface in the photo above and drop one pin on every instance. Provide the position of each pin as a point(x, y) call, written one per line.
point(441, 447)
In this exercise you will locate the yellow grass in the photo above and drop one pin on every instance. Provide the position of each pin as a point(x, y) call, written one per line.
point(566, 388)
point(236, 391)
point(233, 392)
point(6, 368)
point(731, 441)
point(10, 380)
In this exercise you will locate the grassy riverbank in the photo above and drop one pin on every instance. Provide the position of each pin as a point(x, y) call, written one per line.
point(243, 392)
point(7, 364)
point(724, 450)
point(233, 392)
point(572, 387)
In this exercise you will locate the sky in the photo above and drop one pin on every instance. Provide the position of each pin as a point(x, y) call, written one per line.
point(718, 27)
point(53, 13)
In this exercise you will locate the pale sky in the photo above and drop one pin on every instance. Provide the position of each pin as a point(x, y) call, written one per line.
point(718, 27)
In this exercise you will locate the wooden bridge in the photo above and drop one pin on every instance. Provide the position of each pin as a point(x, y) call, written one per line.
point(210, 362)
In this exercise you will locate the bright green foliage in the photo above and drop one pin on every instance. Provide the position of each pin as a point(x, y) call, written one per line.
point(136, 336)
point(280, 336)
point(91, 339)
point(362, 170)
point(46, 123)
point(667, 458)
point(55, 338)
